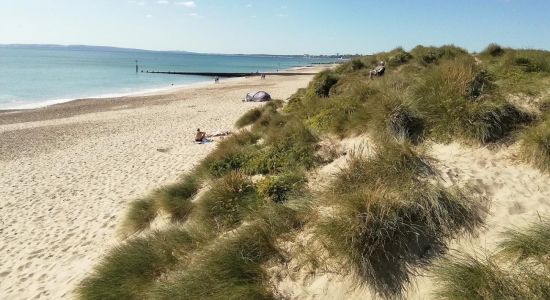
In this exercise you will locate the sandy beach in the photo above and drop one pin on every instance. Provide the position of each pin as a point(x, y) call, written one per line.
point(68, 172)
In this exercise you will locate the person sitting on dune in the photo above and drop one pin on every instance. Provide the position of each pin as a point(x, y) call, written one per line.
point(378, 71)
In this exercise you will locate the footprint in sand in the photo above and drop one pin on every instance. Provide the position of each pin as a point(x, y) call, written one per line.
point(516, 209)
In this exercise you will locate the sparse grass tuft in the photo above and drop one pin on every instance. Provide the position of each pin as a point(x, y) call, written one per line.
point(529, 243)
point(519, 270)
point(390, 220)
point(466, 277)
point(535, 145)
point(140, 215)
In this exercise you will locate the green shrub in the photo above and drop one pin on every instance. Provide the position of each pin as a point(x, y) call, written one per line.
point(493, 50)
point(229, 201)
point(231, 154)
point(249, 117)
point(130, 270)
point(426, 55)
point(176, 199)
point(295, 102)
point(431, 55)
point(278, 188)
point(228, 269)
point(321, 84)
point(140, 215)
point(357, 64)
point(285, 148)
point(398, 57)
point(389, 219)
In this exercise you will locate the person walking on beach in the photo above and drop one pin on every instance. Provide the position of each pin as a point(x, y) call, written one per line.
point(217, 79)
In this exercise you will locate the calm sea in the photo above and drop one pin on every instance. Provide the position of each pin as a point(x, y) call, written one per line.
point(35, 76)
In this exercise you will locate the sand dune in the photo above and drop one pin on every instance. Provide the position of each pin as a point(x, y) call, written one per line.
point(67, 173)
point(518, 194)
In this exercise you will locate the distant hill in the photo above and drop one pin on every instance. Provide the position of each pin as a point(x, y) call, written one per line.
point(81, 48)
point(121, 49)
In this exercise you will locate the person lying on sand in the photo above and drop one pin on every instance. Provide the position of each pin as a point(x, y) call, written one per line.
point(219, 133)
point(202, 137)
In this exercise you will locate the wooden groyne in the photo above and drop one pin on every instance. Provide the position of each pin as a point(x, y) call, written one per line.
point(229, 75)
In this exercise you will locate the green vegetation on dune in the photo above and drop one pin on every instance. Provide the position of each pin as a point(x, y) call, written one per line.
point(519, 270)
point(389, 218)
point(381, 218)
point(129, 270)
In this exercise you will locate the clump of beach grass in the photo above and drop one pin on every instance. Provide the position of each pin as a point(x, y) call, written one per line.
point(321, 84)
point(450, 100)
point(129, 270)
point(249, 117)
point(390, 219)
point(228, 202)
point(231, 154)
point(230, 268)
point(520, 269)
point(493, 50)
point(468, 277)
point(175, 199)
point(139, 216)
point(529, 243)
point(287, 146)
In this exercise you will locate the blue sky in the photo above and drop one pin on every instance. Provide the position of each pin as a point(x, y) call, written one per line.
point(276, 26)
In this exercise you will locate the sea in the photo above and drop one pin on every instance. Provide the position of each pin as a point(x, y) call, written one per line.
point(37, 75)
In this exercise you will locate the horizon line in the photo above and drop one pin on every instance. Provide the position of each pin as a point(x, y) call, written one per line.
point(171, 51)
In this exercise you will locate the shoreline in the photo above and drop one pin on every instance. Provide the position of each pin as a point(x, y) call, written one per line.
point(142, 92)
point(68, 172)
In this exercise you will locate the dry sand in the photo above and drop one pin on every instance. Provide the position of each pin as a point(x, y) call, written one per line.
point(68, 172)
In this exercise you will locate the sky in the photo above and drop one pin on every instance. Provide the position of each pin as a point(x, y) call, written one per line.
point(277, 26)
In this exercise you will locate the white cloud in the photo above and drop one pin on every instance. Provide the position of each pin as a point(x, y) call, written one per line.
point(149, 16)
point(194, 14)
point(249, 5)
point(282, 15)
point(162, 2)
point(189, 4)
point(136, 2)
point(284, 7)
